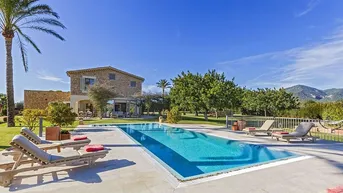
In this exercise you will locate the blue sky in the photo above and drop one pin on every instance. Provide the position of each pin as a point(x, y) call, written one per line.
point(261, 43)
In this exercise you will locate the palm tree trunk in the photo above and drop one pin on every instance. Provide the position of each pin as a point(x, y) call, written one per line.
point(9, 83)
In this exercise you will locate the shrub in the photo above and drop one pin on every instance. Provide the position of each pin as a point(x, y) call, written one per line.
point(31, 117)
point(174, 115)
point(60, 114)
point(333, 111)
point(63, 131)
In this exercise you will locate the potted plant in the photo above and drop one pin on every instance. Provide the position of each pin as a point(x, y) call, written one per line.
point(235, 126)
point(64, 135)
point(59, 114)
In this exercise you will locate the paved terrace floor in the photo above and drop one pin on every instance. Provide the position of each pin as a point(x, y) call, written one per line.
point(128, 168)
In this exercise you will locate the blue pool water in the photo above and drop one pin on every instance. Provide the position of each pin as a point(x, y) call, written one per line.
point(188, 154)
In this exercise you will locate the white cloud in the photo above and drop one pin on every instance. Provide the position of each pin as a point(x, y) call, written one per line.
point(319, 65)
point(45, 76)
point(153, 89)
point(309, 7)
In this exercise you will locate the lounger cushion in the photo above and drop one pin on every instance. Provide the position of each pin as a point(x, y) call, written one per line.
point(31, 134)
point(70, 142)
point(300, 131)
point(84, 153)
point(80, 137)
point(92, 148)
point(267, 125)
point(64, 155)
point(304, 128)
point(31, 148)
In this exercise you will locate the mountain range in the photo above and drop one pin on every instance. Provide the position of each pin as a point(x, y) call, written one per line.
point(309, 93)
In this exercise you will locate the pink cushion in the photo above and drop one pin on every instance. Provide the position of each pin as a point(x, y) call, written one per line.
point(79, 137)
point(281, 133)
point(91, 148)
point(338, 189)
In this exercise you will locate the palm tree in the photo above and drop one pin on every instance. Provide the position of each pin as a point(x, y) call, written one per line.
point(16, 16)
point(163, 83)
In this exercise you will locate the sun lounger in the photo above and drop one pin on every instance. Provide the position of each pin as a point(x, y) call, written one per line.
point(301, 132)
point(45, 144)
point(63, 144)
point(40, 159)
point(265, 128)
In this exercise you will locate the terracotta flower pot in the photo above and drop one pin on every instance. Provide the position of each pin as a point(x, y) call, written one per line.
point(241, 125)
point(235, 126)
point(52, 133)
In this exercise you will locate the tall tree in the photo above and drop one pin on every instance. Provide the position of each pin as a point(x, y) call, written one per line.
point(100, 94)
point(15, 17)
point(208, 92)
point(163, 84)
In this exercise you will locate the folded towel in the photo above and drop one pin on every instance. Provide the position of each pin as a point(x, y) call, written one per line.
point(338, 189)
point(92, 148)
point(281, 133)
point(251, 128)
point(79, 137)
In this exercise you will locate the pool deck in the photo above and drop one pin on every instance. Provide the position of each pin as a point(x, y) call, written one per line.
point(128, 168)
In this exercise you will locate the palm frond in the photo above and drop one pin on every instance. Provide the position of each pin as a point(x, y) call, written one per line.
point(38, 10)
point(28, 39)
point(46, 30)
point(50, 21)
point(23, 53)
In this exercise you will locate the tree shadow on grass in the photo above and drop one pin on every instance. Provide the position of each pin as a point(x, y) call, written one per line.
point(83, 174)
point(4, 147)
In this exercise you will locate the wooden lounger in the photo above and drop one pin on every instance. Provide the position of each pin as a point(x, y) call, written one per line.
point(40, 159)
point(63, 144)
point(265, 128)
point(301, 132)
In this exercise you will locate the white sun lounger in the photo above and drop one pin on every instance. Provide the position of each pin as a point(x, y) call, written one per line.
point(265, 128)
point(301, 132)
point(65, 143)
point(40, 159)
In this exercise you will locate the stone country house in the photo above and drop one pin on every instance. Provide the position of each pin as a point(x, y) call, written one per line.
point(126, 85)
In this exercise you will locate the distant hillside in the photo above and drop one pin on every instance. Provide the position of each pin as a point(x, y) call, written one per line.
point(308, 93)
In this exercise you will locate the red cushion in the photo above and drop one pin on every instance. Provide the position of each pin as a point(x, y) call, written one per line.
point(338, 189)
point(281, 133)
point(251, 128)
point(91, 148)
point(79, 137)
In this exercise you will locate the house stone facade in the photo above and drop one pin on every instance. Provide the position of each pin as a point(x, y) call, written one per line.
point(38, 99)
point(126, 85)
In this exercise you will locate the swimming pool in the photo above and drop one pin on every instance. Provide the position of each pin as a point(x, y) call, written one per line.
point(188, 154)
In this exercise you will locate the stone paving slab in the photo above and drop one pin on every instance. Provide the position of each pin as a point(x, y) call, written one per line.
point(128, 168)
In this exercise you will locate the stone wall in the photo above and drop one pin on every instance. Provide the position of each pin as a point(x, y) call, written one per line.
point(37, 99)
point(121, 84)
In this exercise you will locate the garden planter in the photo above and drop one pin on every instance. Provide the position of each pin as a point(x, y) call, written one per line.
point(235, 126)
point(52, 133)
point(65, 136)
point(241, 125)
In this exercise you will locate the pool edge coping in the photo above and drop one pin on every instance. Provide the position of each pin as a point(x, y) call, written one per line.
point(202, 178)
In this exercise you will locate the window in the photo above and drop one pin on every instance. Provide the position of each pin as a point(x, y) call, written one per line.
point(86, 82)
point(111, 76)
point(133, 83)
